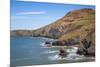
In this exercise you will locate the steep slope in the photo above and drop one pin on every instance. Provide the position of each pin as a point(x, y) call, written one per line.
point(70, 25)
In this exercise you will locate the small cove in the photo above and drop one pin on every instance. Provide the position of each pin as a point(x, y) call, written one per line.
point(29, 51)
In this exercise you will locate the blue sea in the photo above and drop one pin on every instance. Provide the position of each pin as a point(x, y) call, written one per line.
point(27, 51)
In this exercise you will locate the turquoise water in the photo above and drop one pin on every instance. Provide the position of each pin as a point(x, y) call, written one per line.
point(30, 51)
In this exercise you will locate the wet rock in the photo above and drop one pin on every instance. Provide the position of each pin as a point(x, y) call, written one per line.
point(58, 43)
point(86, 49)
point(62, 53)
point(69, 42)
point(47, 42)
point(80, 51)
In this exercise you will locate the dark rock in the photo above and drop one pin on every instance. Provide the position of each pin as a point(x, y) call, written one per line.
point(86, 44)
point(88, 49)
point(86, 52)
point(62, 53)
point(58, 43)
point(80, 51)
point(47, 42)
point(69, 42)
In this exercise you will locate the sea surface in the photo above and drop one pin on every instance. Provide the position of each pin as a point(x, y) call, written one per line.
point(27, 51)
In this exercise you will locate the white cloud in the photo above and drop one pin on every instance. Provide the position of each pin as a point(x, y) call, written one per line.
point(27, 13)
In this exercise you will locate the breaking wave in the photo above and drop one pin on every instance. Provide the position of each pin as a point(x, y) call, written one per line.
point(50, 51)
point(43, 45)
point(70, 56)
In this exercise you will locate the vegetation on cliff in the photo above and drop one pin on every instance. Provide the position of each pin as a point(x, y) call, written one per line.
point(72, 29)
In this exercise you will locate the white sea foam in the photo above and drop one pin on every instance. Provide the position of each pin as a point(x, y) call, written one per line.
point(55, 57)
point(72, 50)
point(70, 56)
point(42, 44)
point(48, 39)
point(50, 51)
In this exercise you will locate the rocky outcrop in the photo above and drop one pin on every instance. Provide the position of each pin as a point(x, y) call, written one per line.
point(87, 48)
point(62, 53)
point(69, 42)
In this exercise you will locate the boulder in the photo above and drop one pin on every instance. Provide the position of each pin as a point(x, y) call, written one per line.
point(62, 52)
point(47, 42)
point(86, 49)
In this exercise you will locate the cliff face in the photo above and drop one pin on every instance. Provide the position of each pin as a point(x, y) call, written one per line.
point(75, 24)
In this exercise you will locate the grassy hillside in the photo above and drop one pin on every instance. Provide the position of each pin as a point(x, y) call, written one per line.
point(75, 24)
